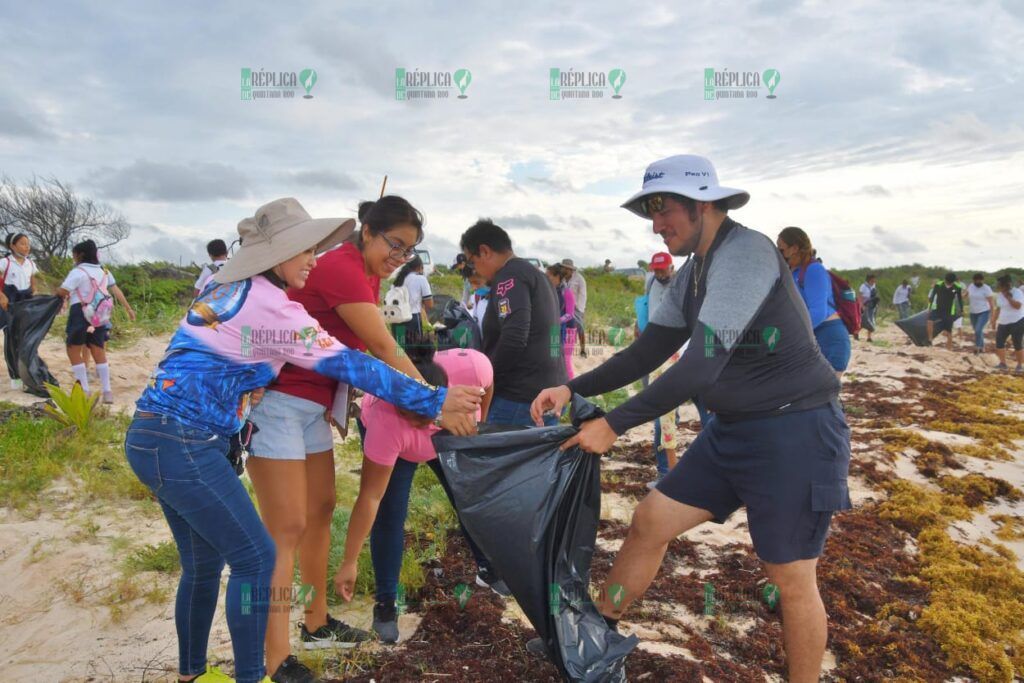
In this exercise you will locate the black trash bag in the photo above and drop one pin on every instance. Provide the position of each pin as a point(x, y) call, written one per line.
point(916, 327)
point(436, 312)
point(30, 321)
point(533, 510)
point(460, 329)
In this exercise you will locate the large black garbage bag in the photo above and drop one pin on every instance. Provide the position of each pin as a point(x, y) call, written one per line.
point(30, 321)
point(534, 512)
point(916, 327)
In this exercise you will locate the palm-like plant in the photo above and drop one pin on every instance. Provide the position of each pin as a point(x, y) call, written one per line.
point(74, 408)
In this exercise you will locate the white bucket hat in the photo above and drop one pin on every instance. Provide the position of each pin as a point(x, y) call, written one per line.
point(277, 232)
point(687, 175)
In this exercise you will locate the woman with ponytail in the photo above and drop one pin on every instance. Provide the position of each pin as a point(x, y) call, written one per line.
point(85, 281)
point(395, 443)
point(815, 286)
point(292, 463)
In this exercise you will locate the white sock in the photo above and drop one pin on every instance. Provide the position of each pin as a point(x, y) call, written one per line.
point(79, 372)
point(103, 370)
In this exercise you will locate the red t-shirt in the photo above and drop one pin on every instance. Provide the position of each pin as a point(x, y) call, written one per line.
point(338, 278)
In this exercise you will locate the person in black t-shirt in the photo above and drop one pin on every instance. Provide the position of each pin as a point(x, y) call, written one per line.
point(521, 329)
point(947, 304)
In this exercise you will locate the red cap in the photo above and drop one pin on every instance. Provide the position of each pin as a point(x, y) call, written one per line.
point(661, 260)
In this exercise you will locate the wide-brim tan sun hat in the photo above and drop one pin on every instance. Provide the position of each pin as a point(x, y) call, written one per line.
point(688, 175)
point(278, 231)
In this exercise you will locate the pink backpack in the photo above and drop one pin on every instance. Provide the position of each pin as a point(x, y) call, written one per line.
point(98, 306)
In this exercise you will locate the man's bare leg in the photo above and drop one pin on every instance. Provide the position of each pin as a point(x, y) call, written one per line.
point(804, 622)
point(656, 521)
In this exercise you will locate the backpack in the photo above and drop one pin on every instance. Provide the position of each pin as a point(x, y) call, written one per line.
point(98, 306)
point(845, 300)
point(397, 308)
point(642, 304)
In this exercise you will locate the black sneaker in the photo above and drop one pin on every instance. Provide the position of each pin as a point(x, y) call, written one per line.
point(293, 671)
point(486, 578)
point(332, 634)
point(385, 621)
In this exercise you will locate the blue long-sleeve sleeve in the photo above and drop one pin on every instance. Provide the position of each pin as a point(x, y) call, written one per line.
point(817, 293)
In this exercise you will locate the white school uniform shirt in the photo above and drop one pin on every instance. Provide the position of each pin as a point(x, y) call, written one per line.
point(419, 289)
point(208, 273)
point(901, 295)
point(978, 297)
point(18, 274)
point(1008, 315)
point(81, 278)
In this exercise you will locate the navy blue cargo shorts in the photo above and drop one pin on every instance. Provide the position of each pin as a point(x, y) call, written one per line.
point(789, 470)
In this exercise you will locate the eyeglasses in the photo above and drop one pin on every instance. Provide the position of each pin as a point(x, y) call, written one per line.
point(398, 251)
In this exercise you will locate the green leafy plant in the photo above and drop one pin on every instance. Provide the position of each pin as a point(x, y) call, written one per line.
point(72, 409)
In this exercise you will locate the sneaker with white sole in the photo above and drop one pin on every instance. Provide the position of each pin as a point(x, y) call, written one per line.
point(334, 633)
point(486, 578)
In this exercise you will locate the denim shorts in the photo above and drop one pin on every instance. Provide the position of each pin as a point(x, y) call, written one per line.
point(289, 428)
point(789, 470)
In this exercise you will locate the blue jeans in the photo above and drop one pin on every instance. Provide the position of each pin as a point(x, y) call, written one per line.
point(213, 522)
point(387, 538)
point(834, 341)
point(506, 412)
point(978, 322)
point(903, 310)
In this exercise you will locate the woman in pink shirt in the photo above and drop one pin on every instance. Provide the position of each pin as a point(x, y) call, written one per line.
point(395, 443)
point(559, 276)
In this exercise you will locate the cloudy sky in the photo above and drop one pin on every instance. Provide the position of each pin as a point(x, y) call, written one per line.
point(897, 133)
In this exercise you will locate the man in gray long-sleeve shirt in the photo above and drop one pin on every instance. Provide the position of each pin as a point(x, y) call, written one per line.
point(778, 443)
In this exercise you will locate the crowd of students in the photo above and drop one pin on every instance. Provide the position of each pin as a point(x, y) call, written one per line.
point(261, 372)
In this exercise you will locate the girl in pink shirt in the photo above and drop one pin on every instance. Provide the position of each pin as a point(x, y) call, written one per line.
point(395, 442)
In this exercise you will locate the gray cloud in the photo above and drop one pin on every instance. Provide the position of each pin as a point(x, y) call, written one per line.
point(530, 220)
point(969, 243)
point(579, 223)
point(153, 181)
point(330, 180)
point(896, 243)
point(874, 191)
